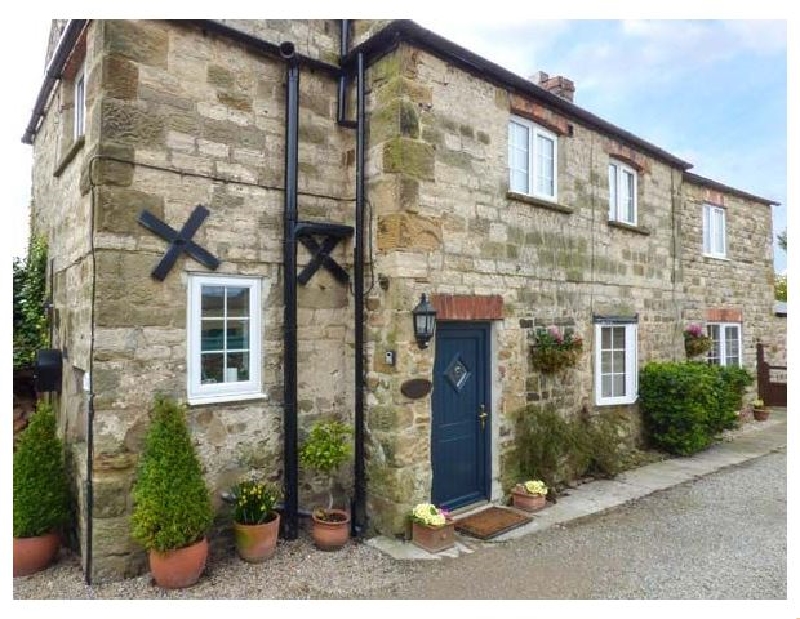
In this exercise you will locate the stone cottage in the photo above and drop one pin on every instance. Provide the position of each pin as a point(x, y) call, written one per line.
point(181, 168)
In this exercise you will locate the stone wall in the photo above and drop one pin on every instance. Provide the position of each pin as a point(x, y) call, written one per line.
point(446, 224)
point(61, 211)
point(183, 119)
point(738, 288)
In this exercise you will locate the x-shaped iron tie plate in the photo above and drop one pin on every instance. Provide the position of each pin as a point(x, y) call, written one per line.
point(180, 242)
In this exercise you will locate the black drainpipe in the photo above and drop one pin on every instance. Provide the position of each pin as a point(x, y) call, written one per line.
point(344, 45)
point(290, 512)
point(359, 511)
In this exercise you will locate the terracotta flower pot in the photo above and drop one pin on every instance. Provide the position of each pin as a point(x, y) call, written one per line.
point(176, 569)
point(33, 554)
point(760, 414)
point(256, 543)
point(433, 539)
point(528, 502)
point(328, 534)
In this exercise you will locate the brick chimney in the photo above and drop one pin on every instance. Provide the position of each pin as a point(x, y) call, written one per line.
point(558, 84)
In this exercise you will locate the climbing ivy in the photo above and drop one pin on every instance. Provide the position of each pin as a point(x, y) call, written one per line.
point(30, 319)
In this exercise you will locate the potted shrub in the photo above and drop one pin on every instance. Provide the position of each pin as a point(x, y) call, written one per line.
point(255, 521)
point(41, 493)
point(325, 450)
point(553, 350)
point(432, 528)
point(172, 507)
point(530, 496)
point(695, 342)
point(760, 412)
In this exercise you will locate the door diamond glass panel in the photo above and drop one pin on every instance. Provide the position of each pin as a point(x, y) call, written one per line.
point(457, 373)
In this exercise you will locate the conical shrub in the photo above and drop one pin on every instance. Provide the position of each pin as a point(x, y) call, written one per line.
point(172, 506)
point(41, 487)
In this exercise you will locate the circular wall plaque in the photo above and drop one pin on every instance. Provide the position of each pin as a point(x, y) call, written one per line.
point(416, 388)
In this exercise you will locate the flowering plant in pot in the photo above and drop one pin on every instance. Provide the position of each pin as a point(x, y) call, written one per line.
point(325, 450)
point(432, 527)
point(530, 496)
point(255, 521)
point(172, 506)
point(553, 350)
point(695, 342)
point(760, 412)
point(41, 493)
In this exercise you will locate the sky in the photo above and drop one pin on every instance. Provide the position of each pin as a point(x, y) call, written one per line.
point(711, 92)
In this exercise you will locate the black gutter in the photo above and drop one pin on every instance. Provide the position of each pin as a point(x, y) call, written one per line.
point(52, 74)
point(289, 521)
point(407, 31)
point(344, 45)
point(702, 181)
point(256, 44)
point(359, 509)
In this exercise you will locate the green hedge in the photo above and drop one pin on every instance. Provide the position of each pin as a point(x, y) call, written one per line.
point(686, 405)
point(41, 488)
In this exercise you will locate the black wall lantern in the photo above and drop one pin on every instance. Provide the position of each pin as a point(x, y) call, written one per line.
point(424, 321)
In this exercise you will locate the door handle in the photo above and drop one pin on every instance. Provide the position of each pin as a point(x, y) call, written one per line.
point(482, 415)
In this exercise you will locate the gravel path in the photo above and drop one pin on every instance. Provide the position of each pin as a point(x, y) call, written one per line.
point(720, 537)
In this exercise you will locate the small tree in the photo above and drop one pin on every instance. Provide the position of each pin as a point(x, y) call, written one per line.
point(326, 449)
point(172, 506)
point(782, 240)
point(41, 487)
point(780, 288)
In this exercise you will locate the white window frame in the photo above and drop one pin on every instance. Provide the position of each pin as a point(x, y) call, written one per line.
point(723, 353)
point(535, 131)
point(631, 364)
point(616, 207)
point(711, 212)
point(79, 100)
point(198, 393)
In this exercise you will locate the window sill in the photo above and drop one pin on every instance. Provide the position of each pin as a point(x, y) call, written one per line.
point(77, 145)
point(626, 402)
point(225, 397)
point(629, 227)
point(710, 257)
point(539, 202)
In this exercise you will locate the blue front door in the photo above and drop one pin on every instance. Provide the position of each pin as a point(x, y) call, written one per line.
point(461, 425)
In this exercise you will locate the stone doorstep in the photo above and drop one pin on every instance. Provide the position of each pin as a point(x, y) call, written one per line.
point(597, 496)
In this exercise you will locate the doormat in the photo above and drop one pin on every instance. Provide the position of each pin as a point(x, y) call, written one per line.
point(491, 522)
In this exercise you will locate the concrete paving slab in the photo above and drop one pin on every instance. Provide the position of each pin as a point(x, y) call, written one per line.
point(753, 440)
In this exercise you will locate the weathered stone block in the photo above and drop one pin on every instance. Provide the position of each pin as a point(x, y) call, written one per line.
point(409, 231)
point(120, 77)
point(146, 42)
point(130, 124)
point(406, 156)
point(118, 209)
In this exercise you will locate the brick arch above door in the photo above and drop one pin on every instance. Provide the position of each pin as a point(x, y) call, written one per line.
point(467, 306)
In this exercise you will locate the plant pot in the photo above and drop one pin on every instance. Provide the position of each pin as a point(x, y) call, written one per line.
point(33, 554)
point(331, 535)
point(256, 543)
point(528, 502)
point(433, 539)
point(176, 569)
point(760, 414)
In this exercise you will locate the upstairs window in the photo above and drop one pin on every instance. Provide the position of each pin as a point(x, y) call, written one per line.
point(621, 193)
point(532, 153)
point(224, 343)
point(714, 241)
point(726, 348)
point(80, 103)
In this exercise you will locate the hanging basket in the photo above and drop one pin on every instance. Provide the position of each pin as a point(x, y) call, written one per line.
point(696, 346)
point(553, 359)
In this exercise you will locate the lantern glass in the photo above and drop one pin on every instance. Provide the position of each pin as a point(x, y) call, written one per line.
point(424, 321)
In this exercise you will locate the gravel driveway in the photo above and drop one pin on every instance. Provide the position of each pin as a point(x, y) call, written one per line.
point(720, 537)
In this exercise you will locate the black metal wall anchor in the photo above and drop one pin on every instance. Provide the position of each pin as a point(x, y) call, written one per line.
point(320, 254)
point(181, 242)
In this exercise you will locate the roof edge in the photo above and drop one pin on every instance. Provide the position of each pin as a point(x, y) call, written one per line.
point(702, 181)
point(409, 31)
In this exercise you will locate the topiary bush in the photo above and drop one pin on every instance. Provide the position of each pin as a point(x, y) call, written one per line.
point(41, 487)
point(172, 505)
point(326, 449)
point(686, 405)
